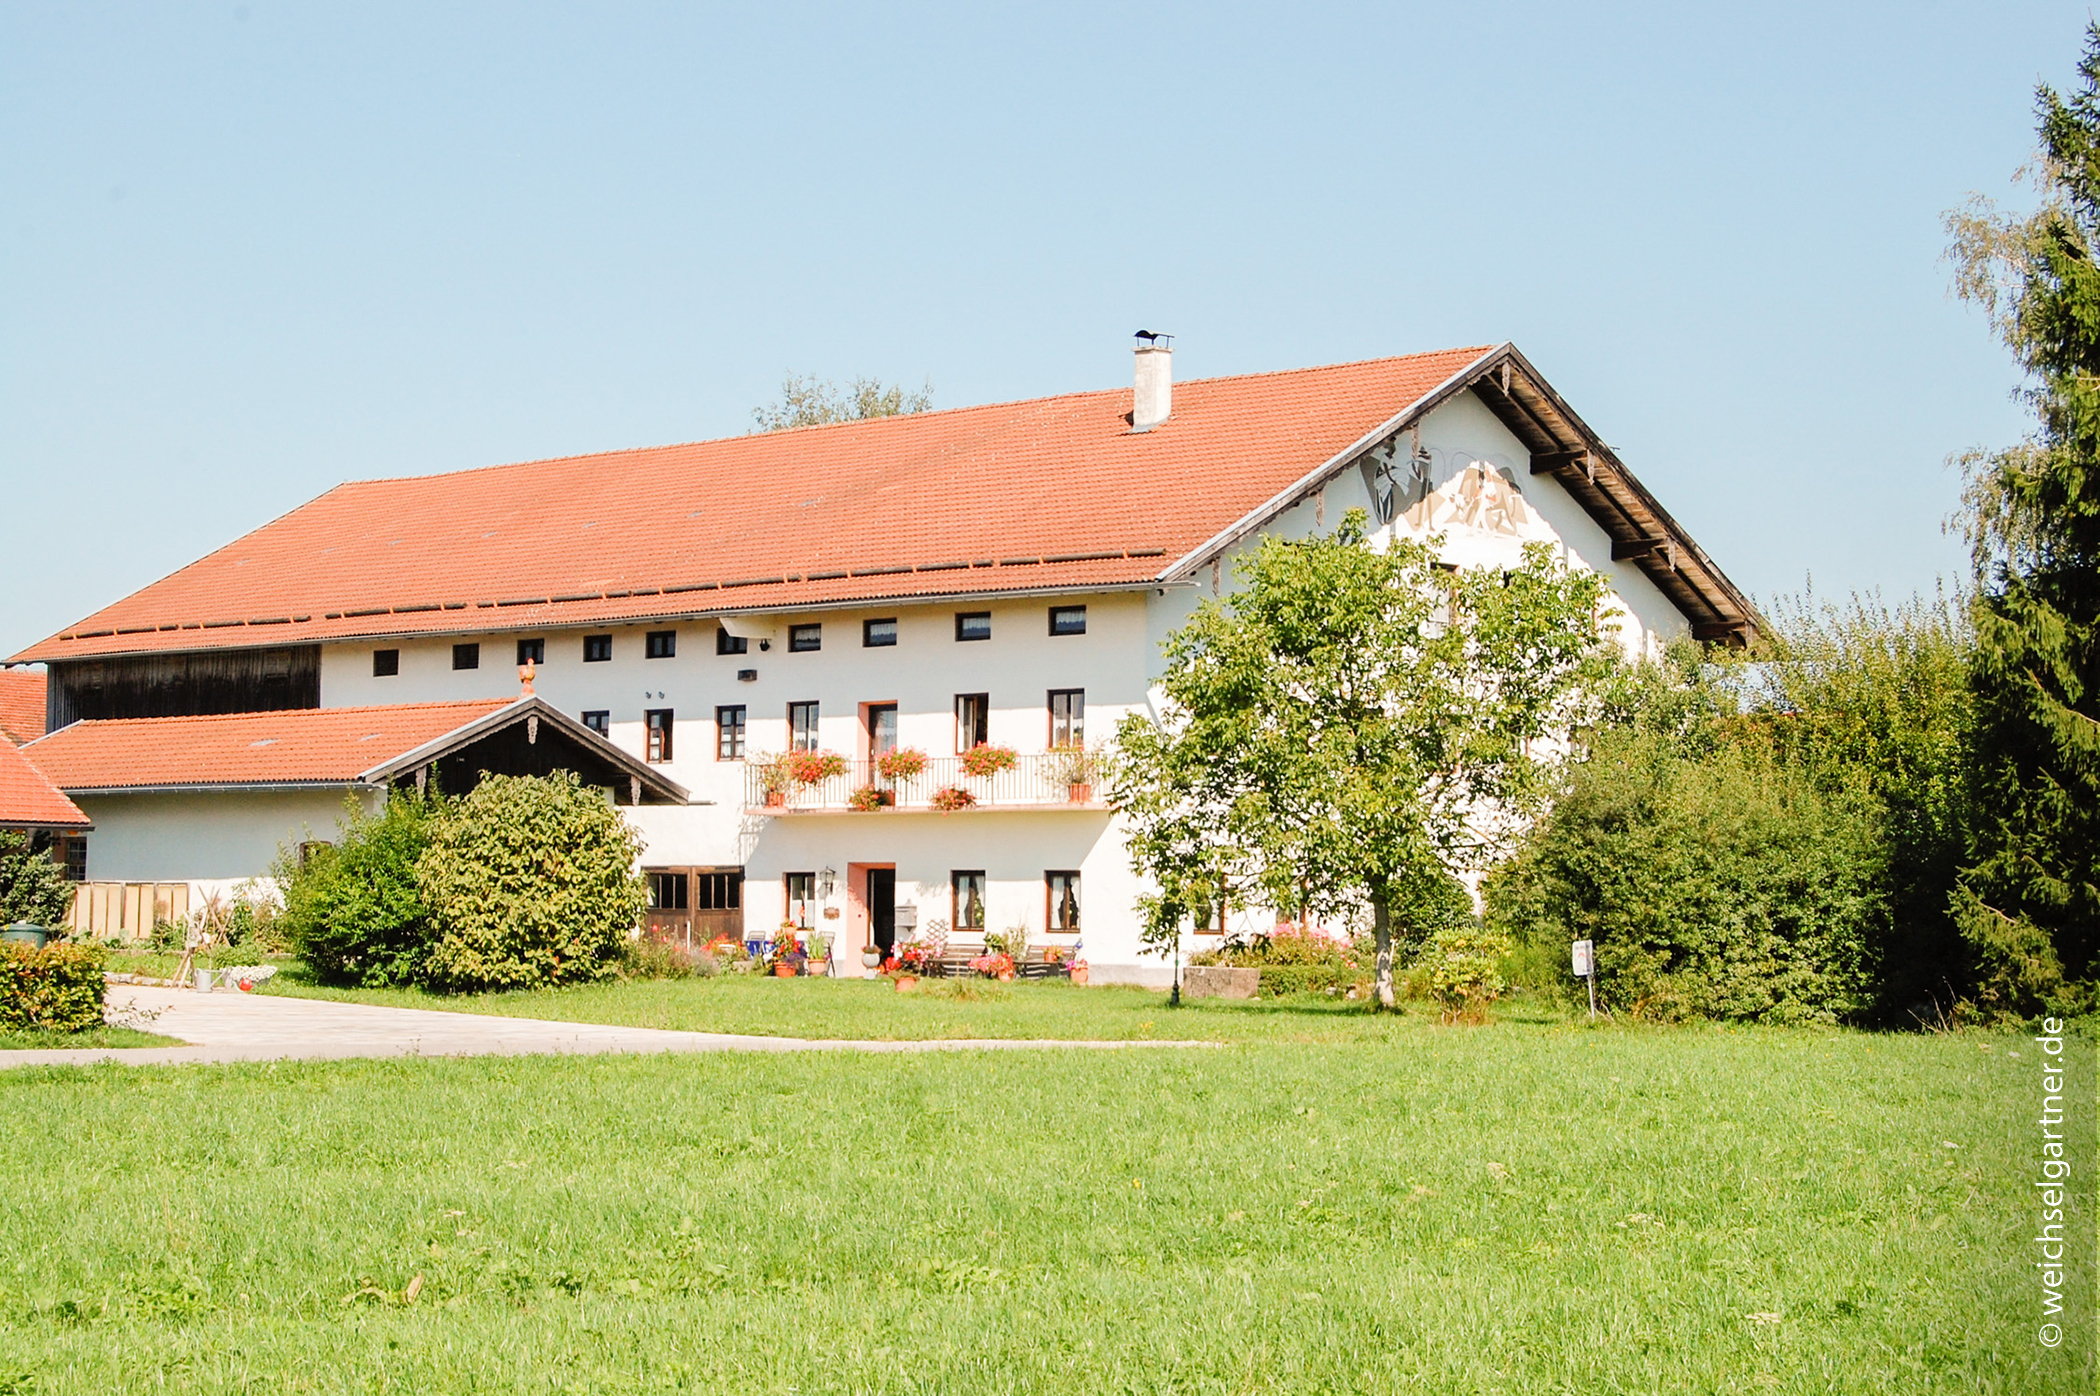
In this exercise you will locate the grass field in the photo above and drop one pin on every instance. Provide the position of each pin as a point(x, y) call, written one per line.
point(1521, 1208)
point(108, 1035)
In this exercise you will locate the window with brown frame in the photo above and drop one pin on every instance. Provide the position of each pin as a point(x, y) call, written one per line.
point(1068, 620)
point(597, 649)
point(805, 639)
point(599, 721)
point(973, 720)
point(659, 723)
point(467, 656)
point(801, 898)
point(876, 634)
point(532, 651)
point(660, 644)
point(802, 726)
point(726, 643)
point(1061, 888)
point(973, 625)
point(1067, 717)
point(966, 892)
point(729, 733)
point(385, 663)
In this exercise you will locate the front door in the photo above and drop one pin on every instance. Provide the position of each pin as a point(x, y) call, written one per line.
point(882, 740)
point(882, 910)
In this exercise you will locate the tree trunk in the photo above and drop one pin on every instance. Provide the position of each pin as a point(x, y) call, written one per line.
point(1382, 936)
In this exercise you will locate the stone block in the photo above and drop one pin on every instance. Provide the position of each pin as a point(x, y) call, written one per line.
point(1219, 982)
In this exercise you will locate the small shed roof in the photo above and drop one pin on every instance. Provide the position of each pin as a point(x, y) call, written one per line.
point(28, 799)
point(320, 747)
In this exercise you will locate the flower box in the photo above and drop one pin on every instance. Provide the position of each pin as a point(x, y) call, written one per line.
point(985, 760)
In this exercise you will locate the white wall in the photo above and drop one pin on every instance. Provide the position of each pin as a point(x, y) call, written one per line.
point(203, 837)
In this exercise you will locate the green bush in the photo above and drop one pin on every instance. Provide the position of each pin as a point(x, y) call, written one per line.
point(32, 887)
point(354, 912)
point(57, 988)
point(1715, 885)
point(529, 881)
point(646, 958)
point(1461, 968)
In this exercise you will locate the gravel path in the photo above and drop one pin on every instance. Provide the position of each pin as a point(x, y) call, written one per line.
point(230, 1026)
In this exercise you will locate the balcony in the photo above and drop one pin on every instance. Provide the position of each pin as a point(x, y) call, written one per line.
point(1039, 780)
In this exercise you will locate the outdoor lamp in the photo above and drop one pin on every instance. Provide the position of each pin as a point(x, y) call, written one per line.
point(826, 880)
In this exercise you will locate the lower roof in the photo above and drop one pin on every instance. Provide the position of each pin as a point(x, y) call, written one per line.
point(308, 747)
point(29, 800)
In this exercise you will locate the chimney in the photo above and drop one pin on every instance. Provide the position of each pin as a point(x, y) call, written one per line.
point(1154, 401)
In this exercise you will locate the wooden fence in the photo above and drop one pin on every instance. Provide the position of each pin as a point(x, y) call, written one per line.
point(126, 910)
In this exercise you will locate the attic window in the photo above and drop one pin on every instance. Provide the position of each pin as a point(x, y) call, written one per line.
point(726, 643)
point(804, 638)
point(1068, 620)
point(877, 633)
point(467, 656)
point(385, 663)
point(532, 651)
point(973, 625)
point(597, 649)
point(661, 644)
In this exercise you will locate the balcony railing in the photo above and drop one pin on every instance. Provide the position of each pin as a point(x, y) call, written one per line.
point(1039, 780)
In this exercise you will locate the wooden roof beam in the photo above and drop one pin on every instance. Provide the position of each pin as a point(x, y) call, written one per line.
point(1627, 550)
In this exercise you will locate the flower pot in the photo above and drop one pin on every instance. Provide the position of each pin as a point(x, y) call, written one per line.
point(1079, 793)
point(1006, 976)
point(1079, 971)
point(775, 799)
point(907, 982)
point(871, 958)
point(783, 971)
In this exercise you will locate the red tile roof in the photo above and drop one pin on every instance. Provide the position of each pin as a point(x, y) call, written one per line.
point(21, 705)
point(1022, 496)
point(303, 746)
point(29, 800)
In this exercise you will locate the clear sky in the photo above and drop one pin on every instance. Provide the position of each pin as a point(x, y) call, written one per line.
point(250, 250)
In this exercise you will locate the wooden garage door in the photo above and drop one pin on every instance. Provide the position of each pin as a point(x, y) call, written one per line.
point(692, 906)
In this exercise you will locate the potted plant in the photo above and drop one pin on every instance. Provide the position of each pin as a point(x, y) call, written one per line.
point(869, 798)
point(904, 763)
point(871, 957)
point(787, 957)
point(773, 781)
point(985, 760)
point(1074, 767)
point(813, 767)
point(950, 798)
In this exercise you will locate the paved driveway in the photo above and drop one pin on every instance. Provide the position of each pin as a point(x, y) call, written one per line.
point(230, 1026)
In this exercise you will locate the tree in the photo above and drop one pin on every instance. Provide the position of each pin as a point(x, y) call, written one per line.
point(353, 911)
point(531, 882)
point(1352, 724)
point(814, 402)
point(2029, 902)
point(32, 887)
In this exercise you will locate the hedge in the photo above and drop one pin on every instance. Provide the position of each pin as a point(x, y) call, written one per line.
point(55, 989)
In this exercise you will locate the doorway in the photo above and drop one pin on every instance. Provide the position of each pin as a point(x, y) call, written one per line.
point(882, 910)
point(881, 720)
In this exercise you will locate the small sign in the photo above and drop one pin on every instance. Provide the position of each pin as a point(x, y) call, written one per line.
point(1585, 958)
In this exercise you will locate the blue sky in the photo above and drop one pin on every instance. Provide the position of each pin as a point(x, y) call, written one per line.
point(250, 250)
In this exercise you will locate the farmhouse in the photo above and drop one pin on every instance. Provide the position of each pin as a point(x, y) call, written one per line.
point(898, 593)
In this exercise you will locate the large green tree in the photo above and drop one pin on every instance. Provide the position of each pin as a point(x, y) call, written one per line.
point(1353, 723)
point(2032, 893)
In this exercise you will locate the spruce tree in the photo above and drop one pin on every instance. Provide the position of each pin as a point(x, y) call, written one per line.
point(2029, 903)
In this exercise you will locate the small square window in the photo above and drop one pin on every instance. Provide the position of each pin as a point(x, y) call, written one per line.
point(726, 643)
point(804, 638)
point(599, 721)
point(532, 651)
point(385, 663)
point(876, 633)
point(729, 733)
point(973, 625)
point(661, 644)
point(597, 649)
point(657, 726)
point(1068, 620)
point(467, 656)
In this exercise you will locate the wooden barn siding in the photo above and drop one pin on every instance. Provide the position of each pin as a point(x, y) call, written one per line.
point(184, 685)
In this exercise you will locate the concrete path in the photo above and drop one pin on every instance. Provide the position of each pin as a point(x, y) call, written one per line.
point(230, 1026)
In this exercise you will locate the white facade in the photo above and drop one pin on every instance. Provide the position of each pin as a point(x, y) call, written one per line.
point(210, 839)
point(1486, 516)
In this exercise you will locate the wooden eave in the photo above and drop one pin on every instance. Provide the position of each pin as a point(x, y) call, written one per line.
point(1563, 446)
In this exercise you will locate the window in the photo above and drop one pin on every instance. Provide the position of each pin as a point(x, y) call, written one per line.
point(667, 891)
point(718, 891)
point(973, 625)
point(802, 899)
point(729, 733)
point(599, 722)
point(1067, 717)
point(658, 723)
point(968, 891)
point(802, 726)
point(467, 656)
point(73, 856)
point(597, 649)
point(876, 633)
point(973, 720)
point(804, 638)
point(1068, 620)
point(1063, 891)
point(726, 643)
point(532, 651)
point(660, 644)
point(385, 663)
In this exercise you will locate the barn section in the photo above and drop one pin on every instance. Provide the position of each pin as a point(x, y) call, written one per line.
point(207, 802)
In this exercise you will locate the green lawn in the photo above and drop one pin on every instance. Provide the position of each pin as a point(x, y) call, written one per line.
point(1520, 1208)
point(107, 1035)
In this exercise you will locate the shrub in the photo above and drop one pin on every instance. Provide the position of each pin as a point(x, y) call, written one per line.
point(950, 798)
point(1724, 885)
point(901, 763)
point(646, 958)
point(870, 798)
point(354, 912)
point(32, 887)
point(529, 881)
point(1294, 961)
point(57, 988)
point(1462, 971)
